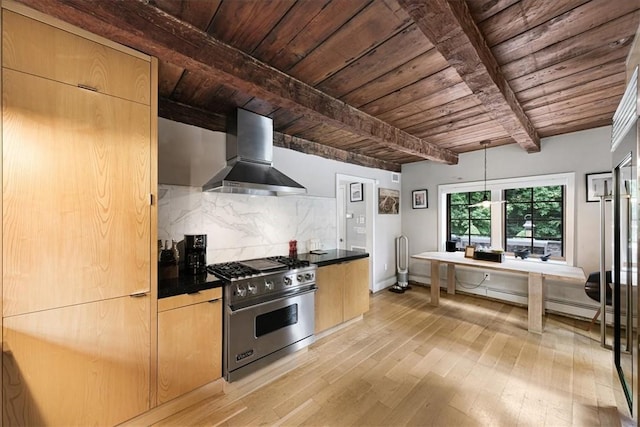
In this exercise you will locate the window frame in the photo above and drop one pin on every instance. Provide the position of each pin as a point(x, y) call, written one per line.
point(496, 189)
point(468, 219)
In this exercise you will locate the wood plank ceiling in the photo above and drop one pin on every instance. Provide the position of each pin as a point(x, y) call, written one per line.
point(380, 82)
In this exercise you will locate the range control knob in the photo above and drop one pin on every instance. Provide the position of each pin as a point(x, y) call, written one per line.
point(300, 277)
point(308, 276)
point(268, 284)
point(287, 280)
point(252, 288)
point(240, 291)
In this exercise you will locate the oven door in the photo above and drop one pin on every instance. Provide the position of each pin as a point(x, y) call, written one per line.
point(255, 332)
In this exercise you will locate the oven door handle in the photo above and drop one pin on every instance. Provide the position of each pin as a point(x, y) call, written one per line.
point(253, 306)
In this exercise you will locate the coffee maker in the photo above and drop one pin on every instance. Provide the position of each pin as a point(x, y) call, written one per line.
point(195, 254)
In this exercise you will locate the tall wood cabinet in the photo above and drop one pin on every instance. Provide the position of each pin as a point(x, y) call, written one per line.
point(79, 225)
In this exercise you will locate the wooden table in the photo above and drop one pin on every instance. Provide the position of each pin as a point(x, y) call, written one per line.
point(536, 271)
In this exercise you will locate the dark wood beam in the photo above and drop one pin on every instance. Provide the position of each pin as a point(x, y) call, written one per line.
point(449, 25)
point(178, 112)
point(182, 113)
point(140, 25)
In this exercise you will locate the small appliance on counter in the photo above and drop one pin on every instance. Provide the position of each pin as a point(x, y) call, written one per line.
point(195, 254)
point(168, 260)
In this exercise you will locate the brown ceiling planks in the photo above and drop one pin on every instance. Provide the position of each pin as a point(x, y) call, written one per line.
point(585, 62)
point(601, 40)
point(519, 17)
point(484, 9)
point(244, 24)
point(197, 13)
point(414, 70)
point(358, 36)
point(439, 112)
point(319, 26)
point(195, 50)
point(395, 52)
point(574, 22)
point(367, 77)
point(451, 29)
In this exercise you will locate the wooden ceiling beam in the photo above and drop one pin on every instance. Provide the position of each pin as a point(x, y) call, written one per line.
point(144, 27)
point(448, 24)
point(183, 113)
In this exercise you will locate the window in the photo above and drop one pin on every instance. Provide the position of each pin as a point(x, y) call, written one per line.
point(534, 220)
point(536, 213)
point(468, 225)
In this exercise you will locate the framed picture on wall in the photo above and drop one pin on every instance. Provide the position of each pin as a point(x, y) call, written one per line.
point(419, 199)
point(599, 184)
point(388, 201)
point(355, 191)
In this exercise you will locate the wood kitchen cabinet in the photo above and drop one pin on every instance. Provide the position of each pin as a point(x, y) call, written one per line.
point(189, 342)
point(343, 293)
point(79, 227)
point(85, 364)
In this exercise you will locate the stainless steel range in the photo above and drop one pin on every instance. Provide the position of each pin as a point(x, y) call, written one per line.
point(269, 311)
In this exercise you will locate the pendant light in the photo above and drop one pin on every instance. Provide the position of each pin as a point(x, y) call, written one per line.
point(485, 203)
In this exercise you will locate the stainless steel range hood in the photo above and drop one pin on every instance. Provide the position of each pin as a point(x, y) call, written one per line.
point(249, 167)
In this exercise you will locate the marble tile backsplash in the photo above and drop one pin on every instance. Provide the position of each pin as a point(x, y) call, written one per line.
point(245, 227)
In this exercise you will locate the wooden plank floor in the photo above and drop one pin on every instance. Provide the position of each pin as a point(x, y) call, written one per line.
point(468, 362)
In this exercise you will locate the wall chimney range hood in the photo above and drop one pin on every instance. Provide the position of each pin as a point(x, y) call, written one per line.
point(249, 167)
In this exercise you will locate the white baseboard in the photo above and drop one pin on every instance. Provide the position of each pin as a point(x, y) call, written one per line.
point(384, 284)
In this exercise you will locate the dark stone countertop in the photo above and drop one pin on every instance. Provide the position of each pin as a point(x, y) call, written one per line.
point(333, 256)
point(184, 284)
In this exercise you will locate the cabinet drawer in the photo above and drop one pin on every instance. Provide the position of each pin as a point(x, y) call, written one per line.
point(170, 303)
point(36, 48)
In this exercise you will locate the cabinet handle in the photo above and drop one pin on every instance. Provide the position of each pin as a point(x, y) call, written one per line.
point(193, 293)
point(139, 294)
point(214, 300)
point(87, 87)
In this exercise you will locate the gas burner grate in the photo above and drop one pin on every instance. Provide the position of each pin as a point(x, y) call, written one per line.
point(231, 270)
point(291, 263)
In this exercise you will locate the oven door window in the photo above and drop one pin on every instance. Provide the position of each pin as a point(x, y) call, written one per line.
point(277, 319)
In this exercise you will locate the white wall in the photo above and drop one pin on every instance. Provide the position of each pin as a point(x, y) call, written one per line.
point(317, 174)
point(580, 152)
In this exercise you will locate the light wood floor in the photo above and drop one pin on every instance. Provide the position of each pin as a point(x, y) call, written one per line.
point(468, 362)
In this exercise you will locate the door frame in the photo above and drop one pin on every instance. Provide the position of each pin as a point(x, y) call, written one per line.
point(369, 197)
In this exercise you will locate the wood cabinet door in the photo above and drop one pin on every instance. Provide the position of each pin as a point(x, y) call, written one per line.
point(189, 348)
point(40, 49)
point(76, 195)
point(87, 364)
point(328, 300)
point(356, 288)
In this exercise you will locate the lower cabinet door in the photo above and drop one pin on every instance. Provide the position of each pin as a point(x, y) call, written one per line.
point(329, 299)
point(85, 364)
point(189, 348)
point(356, 288)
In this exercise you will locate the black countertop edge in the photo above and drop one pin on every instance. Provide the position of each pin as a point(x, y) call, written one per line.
point(184, 284)
point(333, 256)
point(187, 284)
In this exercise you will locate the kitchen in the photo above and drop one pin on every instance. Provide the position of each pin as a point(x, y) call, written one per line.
point(237, 227)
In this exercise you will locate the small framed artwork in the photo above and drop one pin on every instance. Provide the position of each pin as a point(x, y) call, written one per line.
point(388, 201)
point(355, 190)
point(419, 199)
point(598, 185)
point(469, 251)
